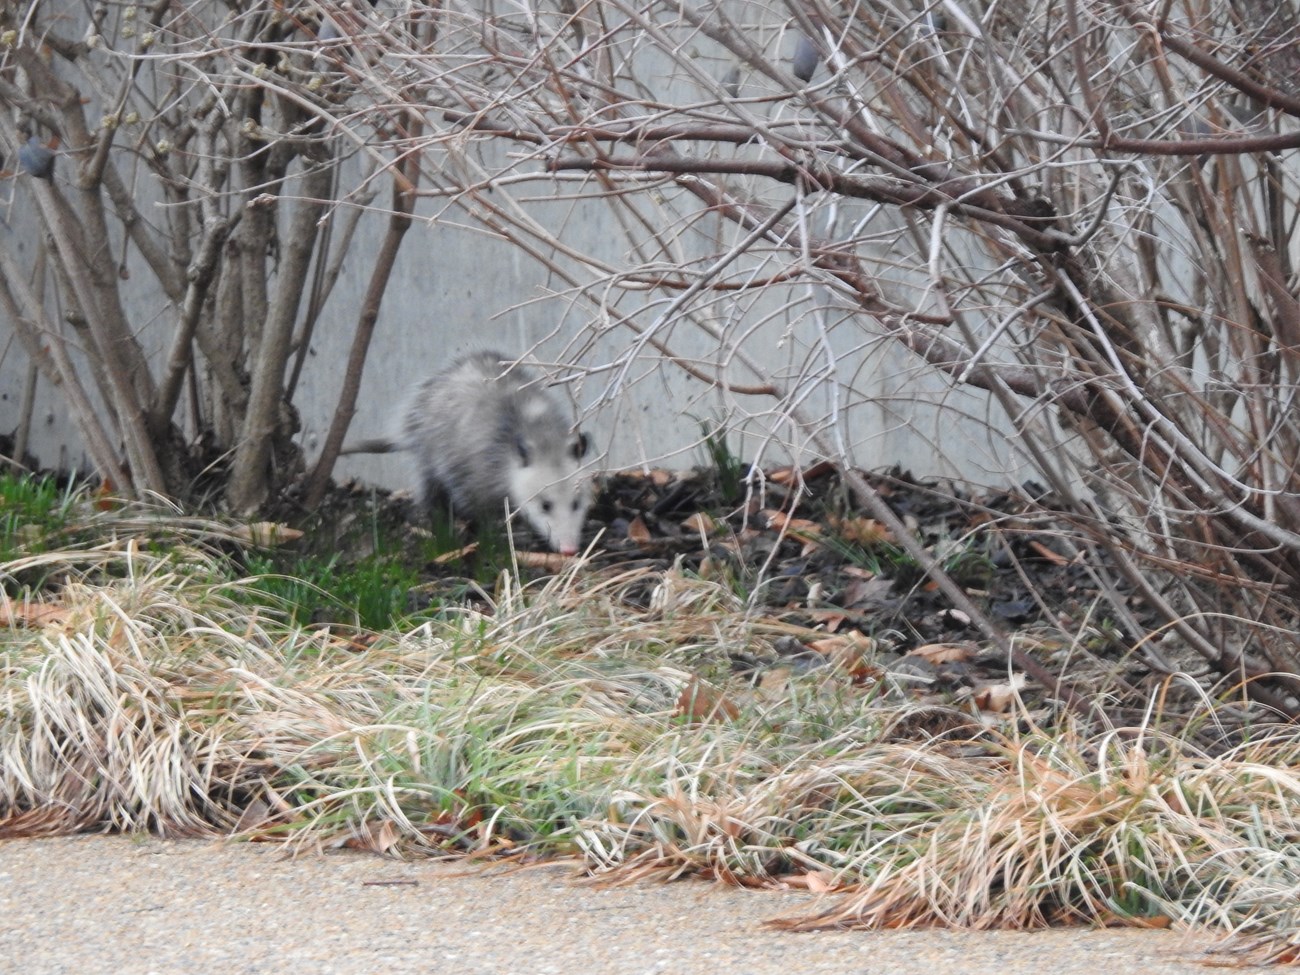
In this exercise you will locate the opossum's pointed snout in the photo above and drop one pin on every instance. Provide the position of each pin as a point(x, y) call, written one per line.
point(568, 549)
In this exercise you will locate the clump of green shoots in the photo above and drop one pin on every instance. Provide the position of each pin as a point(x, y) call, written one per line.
point(725, 464)
point(33, 511)
point(371, 593)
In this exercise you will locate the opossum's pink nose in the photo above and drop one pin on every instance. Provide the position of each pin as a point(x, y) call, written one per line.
point(568, 550)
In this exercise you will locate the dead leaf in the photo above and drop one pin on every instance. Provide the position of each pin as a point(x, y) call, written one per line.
point(793, 475)
point(700, 701)
point(799, 527)
point(1110, 919)
point(460, 553)
point(377, 838)
point(998, 698)
point(1054, 557)
point(774, 682)
point(699, 523)
point(815, 881)
point(823, 468)
point(28, 613)
point(546, 561)
point(852, 652)
point(267, 534)
point(820, 881)
point(866, 532)
point(956, 616)
point(105, 496)
point(255, 815)
point(942, 653)
point(868, 591)
point(358, 642)
point(803, 528)
point(637, 531)
point(854, 640)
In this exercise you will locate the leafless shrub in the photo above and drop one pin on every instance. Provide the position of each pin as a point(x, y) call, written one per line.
point(1085, 210)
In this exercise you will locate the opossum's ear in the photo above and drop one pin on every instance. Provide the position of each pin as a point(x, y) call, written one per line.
point(521, 447)
point(579, 446)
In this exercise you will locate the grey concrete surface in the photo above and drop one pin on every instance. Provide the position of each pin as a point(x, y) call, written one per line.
point(95, 904)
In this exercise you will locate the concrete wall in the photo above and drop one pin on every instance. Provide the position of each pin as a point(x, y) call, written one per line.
point(458, 289)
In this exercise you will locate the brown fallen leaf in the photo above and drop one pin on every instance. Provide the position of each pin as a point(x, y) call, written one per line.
point(267, 534)
point(820, 881)
point(775, 519)
point(852, 652)
point(358, 642)
point(29, 613)
point(798, 527)
point(255, 815)
point(793, 475)
point(1054, 557)
point(871, 590)
point(803, 526)
point(637, 531)
point(700, 701)
point(106, 496)
point(1110, 919)
point(942, 653)
point(857, 572)
point(460, 553)
point(998, 698)
point(372, 837)
point(834, 621)
point(823, 468)
point(774, 682)
point(816, 881)
point(699, 523)
point(866, 532)
point(546, 561)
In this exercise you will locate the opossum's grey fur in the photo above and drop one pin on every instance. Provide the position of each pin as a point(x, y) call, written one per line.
point(482, 433)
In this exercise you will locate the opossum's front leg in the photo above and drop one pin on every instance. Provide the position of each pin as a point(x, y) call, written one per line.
point(435, 510)
point(433, 507)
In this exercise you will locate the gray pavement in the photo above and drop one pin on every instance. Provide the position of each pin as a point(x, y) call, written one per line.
point(95, 904)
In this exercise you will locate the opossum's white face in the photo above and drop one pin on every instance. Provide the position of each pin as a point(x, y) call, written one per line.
point(553, 495)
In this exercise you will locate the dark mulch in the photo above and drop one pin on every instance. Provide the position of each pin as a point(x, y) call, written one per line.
point(795, 545)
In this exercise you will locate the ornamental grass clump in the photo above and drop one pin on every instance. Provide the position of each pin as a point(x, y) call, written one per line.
point(605, 715)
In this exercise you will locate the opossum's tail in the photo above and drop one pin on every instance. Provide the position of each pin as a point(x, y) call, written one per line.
point(380, 445)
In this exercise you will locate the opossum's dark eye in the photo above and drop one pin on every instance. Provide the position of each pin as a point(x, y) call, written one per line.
point(546, 507)
point(575, 505)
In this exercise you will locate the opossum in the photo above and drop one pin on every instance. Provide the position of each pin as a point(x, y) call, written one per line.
point(481, 435)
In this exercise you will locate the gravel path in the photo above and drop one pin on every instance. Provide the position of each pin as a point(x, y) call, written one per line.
point(96, 904)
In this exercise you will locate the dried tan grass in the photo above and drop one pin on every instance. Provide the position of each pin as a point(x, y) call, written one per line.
point(148, 694)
